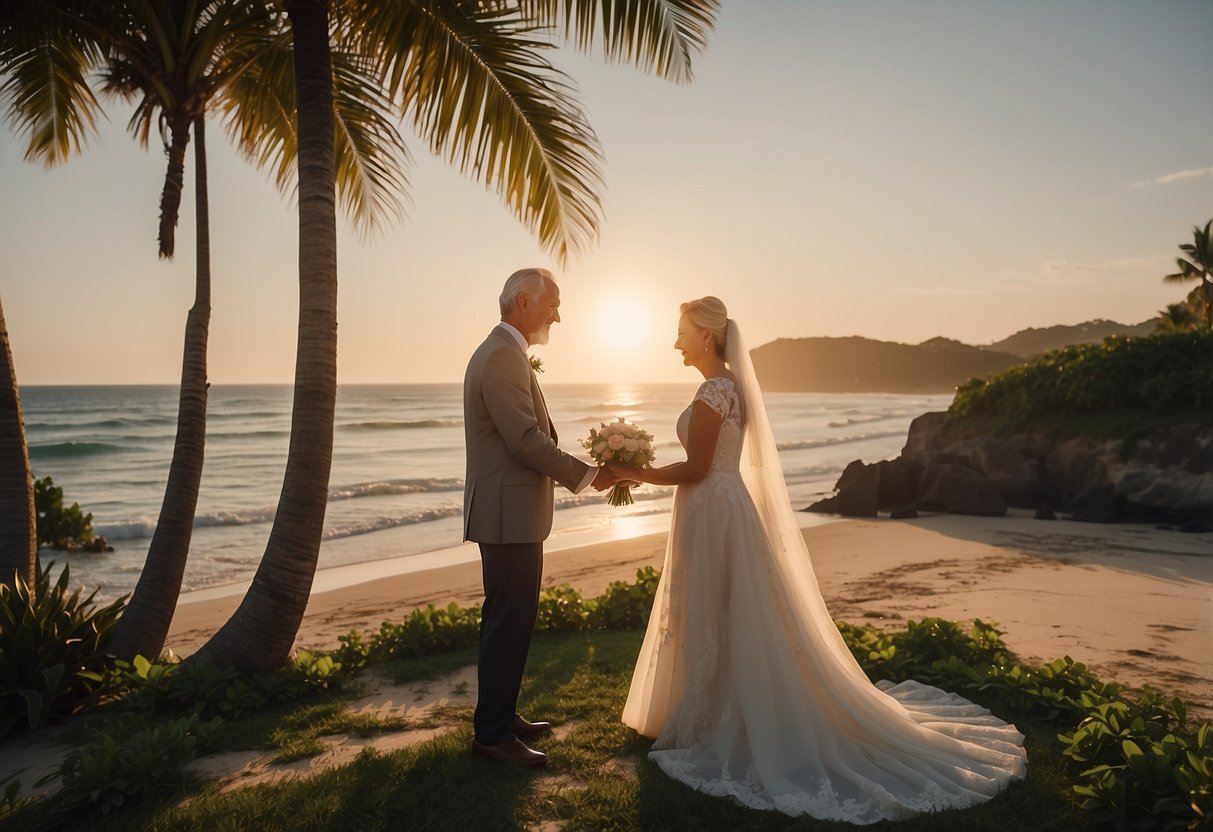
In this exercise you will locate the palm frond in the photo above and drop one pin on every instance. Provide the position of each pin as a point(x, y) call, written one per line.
point(660, 36)
point(473, 80)
point(370, 153)
point(1187, 271)
point(46, 97)
point(371, 157)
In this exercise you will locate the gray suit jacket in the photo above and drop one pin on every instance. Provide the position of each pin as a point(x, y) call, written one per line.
point(512, 457)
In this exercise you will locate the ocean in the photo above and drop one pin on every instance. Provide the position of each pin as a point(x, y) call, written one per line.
point(396, 487)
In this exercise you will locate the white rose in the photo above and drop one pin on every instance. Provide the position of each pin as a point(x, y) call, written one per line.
point(631, 445)
point(629, 431)
point(615, 441)
point(600, 447)
point(607, 456)
point(644, 444)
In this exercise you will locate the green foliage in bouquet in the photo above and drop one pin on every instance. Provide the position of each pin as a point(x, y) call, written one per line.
point(1155, 378)
point(52, 649)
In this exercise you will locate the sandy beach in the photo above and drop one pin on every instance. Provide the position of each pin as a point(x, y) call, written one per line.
point(1134, 602)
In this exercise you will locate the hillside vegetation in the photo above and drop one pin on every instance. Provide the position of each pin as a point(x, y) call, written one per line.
point(1031, 342)
point(855, 365)
point(1119, 386)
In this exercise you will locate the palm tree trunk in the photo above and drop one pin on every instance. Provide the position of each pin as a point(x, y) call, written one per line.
point(144, 625)
point(174, 182)
point(1207, 289)
point(261, 632)
point(18, 523)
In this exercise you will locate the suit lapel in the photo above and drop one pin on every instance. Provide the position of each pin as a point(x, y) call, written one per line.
point(541, 405)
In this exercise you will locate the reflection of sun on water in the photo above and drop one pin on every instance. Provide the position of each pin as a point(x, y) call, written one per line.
point(622, 395)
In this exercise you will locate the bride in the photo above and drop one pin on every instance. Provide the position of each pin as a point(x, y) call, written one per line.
point(743, 678)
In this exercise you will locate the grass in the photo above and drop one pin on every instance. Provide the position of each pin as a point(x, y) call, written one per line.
point(598, 776)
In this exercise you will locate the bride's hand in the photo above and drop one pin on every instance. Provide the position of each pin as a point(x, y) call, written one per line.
point(623, 474)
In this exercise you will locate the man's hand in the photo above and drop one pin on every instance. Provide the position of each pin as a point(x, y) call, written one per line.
point(623, 475)
point(603, 480)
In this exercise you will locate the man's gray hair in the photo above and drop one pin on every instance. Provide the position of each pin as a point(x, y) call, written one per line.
point(523, 280)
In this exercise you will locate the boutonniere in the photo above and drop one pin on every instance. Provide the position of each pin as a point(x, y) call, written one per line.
point(536, 363)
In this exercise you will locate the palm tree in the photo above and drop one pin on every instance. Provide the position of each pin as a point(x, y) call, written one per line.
point(1197, 266)
point(471, 76)
point(178, 60)
point(18, 523)
point(1177, 317)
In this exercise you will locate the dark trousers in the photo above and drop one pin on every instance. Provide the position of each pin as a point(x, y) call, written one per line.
point(512, 574)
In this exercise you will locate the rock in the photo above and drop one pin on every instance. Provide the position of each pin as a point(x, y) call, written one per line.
point(926, 437)
point(1163, 527)
point(858, 492)
point(959, 490)
point(898, 483)
point(1045, 513)
point(1076, 466)
point(1095, 506)
point(860, 496)
point(907, 513)
point(850, 475)
point(1194, 527)
point(1016, 479)
point(1169, 476)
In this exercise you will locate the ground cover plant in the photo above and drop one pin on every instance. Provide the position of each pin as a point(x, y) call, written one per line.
point(1098, 757)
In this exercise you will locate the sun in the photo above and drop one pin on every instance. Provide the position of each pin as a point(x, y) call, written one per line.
point(626, 324)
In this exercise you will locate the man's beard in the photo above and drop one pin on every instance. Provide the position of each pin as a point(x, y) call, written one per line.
point(541, 335)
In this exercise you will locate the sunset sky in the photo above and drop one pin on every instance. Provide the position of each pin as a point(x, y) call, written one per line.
point(897, 170)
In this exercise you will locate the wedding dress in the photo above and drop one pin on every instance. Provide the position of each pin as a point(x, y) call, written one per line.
point(744, 679)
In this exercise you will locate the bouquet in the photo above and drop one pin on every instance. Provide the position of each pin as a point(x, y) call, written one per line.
point(624, 443)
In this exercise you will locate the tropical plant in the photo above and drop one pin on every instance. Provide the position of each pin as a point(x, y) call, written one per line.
point(1177, 317)
point(18, 526)
point(472, 78)
point(178, 61)
point(126, 760)
point(59, 527)
point(1198, 265)
point(52, 649)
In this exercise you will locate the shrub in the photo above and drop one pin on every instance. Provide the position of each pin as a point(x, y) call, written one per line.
point(1152, 770)
point(125, 760)
point(626, 606)
point(1165, 375)
point(52, 649)
point(59, 527)
point(211, 692)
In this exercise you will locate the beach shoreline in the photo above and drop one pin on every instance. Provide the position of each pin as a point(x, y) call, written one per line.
point(1133, 602)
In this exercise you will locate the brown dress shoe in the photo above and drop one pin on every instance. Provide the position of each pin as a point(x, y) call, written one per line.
point(513, 751)
point(524, 730)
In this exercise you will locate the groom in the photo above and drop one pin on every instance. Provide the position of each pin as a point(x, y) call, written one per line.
point(512, 460)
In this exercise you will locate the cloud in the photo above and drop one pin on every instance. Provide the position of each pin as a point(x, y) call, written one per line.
point(1178, 176)
point(1120, 268)
point(954, 291)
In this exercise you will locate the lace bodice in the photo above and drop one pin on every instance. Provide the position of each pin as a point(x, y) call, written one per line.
point(720, 394)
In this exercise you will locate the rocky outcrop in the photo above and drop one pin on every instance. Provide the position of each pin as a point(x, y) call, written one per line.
point(863, 490)
point(1166, 476)
point(959, 490)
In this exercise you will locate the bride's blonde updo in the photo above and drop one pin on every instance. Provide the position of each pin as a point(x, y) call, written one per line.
point(709, 313)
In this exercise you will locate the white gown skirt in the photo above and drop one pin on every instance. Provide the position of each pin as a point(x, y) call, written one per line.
point(751, 693)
